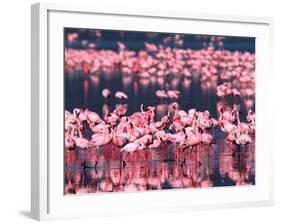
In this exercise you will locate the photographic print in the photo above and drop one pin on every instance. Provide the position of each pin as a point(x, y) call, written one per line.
point(153, 111)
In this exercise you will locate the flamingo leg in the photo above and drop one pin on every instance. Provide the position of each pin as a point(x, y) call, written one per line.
point(124, 160)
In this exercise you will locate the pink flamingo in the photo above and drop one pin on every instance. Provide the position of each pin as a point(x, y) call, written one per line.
point(252, 121)
point(161, 94)
point(150, 47)
point(173, 94)
point(227, 115)
point(177, 125)
point(242, 138)
point(193, 138)
point(93, 117)
point(112, 118)
point(101, 139)
point(162, 124)
point(69, 142)
point(157, 141)
point(117, 137)
point(249, 92)
point(243, 127)
point(81, 142)
point(120, 109)
point(119, 140)
point(98, 128)
point(251, 116)
point(121, 96)
point(207, 138)
point(235, 92)
point(203, 120)
point(82, 115)
point(106, 94)
point(128, 136)
point(227, 126)
point(131, 148)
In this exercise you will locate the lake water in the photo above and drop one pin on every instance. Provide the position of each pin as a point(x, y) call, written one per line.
point(157, 169)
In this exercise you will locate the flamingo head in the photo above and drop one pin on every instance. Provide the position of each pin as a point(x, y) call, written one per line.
point(150, 108)
point(207, 113)
point(250, 112)
point(192, 112)
point(175, 105)
point(165, 119)
point(76, 112)
point(131, 125)
point(124, 119)
point(106, 93)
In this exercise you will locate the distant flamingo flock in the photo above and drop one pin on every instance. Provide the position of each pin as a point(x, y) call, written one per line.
point(226, 71)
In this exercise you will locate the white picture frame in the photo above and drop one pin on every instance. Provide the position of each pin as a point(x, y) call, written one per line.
point(47, 200)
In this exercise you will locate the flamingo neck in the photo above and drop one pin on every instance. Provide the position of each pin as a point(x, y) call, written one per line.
point(194, 122)
point(238, 118)
point(72, 132)
point(141, 107)
point(80, 133)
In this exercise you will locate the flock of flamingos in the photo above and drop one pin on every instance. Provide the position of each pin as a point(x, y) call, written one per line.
point(231, 74)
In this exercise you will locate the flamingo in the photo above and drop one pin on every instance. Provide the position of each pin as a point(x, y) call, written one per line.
point(249, 92)
point(82, 115)
point(80, 141)
point(242, 126)
point(106, 94)
point(119, 140)
point(161, 94)
point(121, 96)
point(242, 138)
point(173, 94)
point(112, 118)
point(98, 128)
point(207, 138)
point(227, 126)
point(92, 117)
point(131, 148)
point(120, 110)
point(251, 116)
point(69, 142)
point(203, 121)
point(193, 138)
point(162, 124)
point(101, 139)
point(252, 121)
point(157, 141)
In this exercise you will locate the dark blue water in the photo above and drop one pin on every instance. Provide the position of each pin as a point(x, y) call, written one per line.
point(86, 93)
